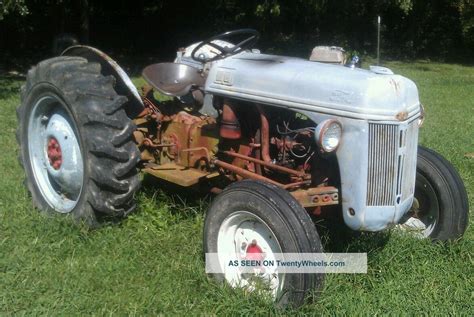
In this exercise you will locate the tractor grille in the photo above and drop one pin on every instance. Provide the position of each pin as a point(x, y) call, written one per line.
point(392, 163)
point(382, 164)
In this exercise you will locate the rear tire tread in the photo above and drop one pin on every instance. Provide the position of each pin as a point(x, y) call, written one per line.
point(105, 129)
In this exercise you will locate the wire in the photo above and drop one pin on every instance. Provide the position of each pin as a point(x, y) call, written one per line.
point(296, 131)
point(290, 131)
point(300, 156)
point(307, 160)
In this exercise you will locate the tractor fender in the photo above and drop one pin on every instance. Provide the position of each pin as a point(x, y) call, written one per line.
point(123, 86)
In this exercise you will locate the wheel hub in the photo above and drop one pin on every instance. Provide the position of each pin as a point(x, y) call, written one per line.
point(63, 154)
point(423, 214)
point(54, 153)
point(415, 208)
point(247, 237)
point(254, 252)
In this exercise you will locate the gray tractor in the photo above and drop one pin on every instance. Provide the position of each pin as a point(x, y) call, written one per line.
point(280, 141)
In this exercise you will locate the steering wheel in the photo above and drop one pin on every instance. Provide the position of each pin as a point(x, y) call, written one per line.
point(248, 42)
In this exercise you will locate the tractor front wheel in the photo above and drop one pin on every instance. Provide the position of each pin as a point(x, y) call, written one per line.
point(251, 220)
point(440, 208)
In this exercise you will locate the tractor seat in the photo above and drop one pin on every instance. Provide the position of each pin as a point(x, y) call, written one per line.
point(173, 79)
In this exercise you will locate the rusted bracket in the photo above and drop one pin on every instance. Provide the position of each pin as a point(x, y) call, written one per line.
point(317, 196)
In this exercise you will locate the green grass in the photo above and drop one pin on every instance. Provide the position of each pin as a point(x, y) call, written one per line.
point(152, 262)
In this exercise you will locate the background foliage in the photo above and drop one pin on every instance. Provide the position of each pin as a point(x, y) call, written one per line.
point(439, 29)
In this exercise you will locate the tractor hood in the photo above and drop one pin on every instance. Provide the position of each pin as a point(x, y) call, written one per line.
point(303, 85)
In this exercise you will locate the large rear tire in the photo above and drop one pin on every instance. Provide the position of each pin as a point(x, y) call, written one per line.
point(76, 142)
point(258, 217)
point(440, 209)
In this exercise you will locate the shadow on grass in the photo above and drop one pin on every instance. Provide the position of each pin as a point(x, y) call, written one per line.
point(338, 238)
point(180, 199)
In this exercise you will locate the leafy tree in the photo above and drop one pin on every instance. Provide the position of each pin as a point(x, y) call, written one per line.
point(466, 10)
point(12, 6)
point(410, 28)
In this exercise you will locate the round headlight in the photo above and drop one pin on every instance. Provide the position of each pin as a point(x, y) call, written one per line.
point(328, 135)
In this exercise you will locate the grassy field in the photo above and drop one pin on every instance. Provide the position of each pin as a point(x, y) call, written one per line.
point(152, 262)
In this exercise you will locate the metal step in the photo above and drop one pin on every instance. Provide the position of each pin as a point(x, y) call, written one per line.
point(183, 176)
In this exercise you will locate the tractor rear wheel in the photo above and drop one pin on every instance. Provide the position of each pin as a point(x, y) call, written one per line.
point(76, 142)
